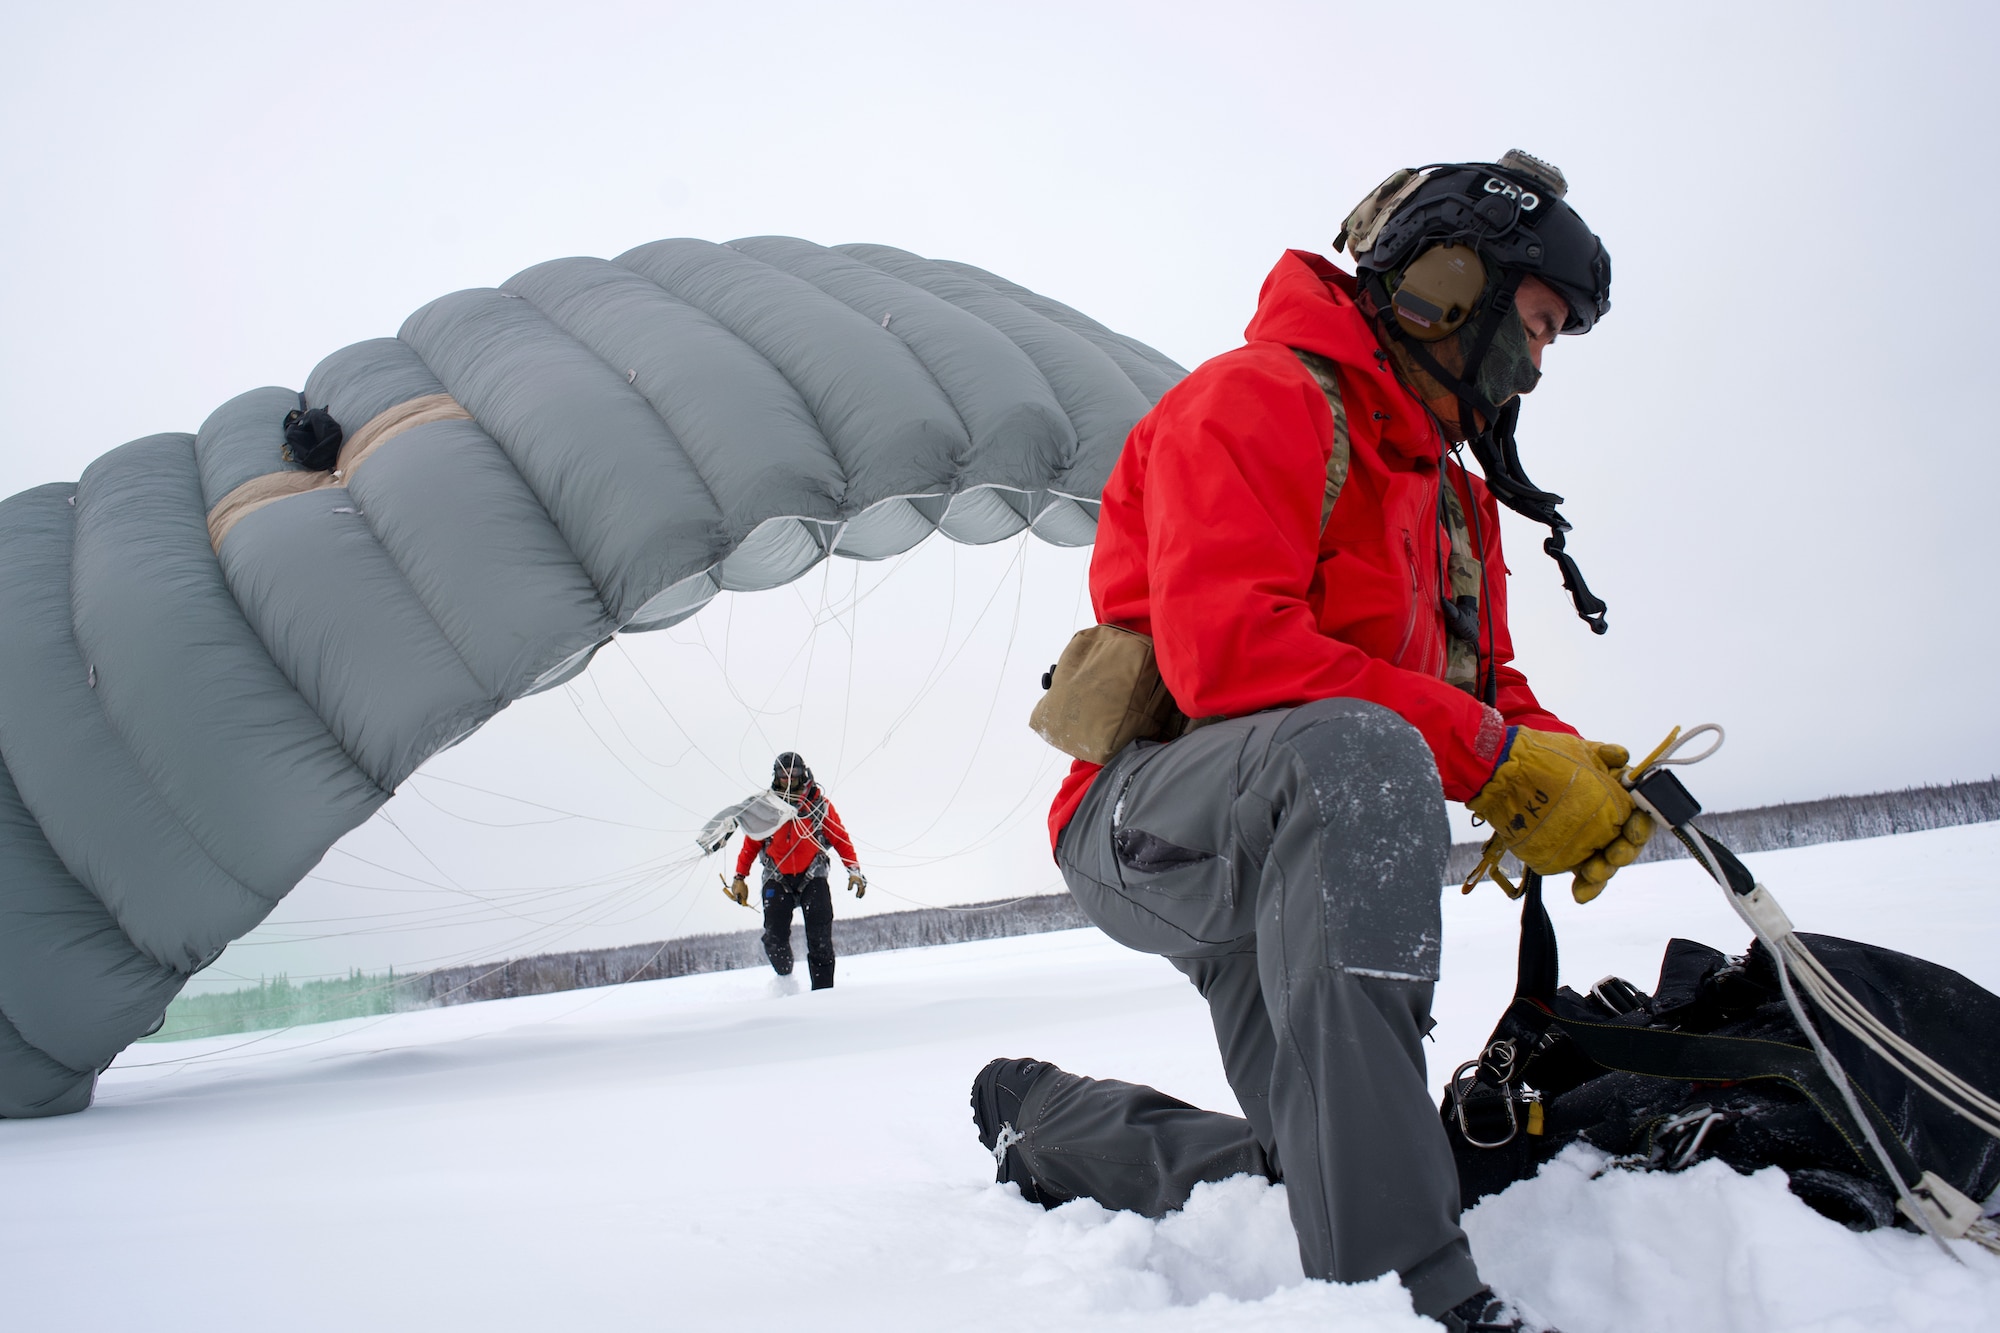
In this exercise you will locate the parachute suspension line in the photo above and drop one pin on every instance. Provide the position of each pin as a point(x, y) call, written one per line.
point(575, 698)
point(421, 795)
point(566, 925)
point(623, 892)
point(178, 1063)
point(576, 702)
point(522, 800)
point(993, 906)
point(431, 885)
point(476, 907)
point(946, 656)
point(1076, 608)
point(457, 913)
point(604, 992)
point(1780, 960)
point(183, 1061)
point(526, 890)
point(1931, 1203)
point(992, 834)
point(437, 965)
point(455, 885)
point(729, 680)
point(992, 704)
point(611, 714)
point(935, 671)
point(812, 646)
point(1011, 817)
point(645, 680)
point(279, 1031)
point(819, 617)
point(852, 630)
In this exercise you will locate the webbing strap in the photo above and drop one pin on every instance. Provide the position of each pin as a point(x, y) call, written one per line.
point(1327, 376)
point(1535, 972)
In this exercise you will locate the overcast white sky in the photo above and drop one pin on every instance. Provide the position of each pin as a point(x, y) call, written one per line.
point(1778, 450)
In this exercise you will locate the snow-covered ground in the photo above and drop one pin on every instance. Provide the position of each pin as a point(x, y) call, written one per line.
point(705, 1154)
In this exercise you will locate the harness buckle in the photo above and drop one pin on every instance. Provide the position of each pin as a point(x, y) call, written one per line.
point(1677, 1142)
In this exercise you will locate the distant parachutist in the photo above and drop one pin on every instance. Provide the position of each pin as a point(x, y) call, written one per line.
point(795, 859)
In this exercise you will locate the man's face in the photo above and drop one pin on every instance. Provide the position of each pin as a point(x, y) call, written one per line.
point(1543, 313)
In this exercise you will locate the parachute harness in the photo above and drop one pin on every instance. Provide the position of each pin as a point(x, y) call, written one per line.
point(1933, 1204)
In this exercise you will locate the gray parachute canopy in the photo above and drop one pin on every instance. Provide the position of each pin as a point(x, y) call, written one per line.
point(215, 663)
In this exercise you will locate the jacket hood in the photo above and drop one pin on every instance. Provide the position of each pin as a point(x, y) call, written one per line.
point(1307, 302)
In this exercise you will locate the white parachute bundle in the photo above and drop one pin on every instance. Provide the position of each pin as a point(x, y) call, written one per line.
point(759, 815)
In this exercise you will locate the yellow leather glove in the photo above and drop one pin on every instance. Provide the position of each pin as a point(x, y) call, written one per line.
point(738, 891)
point(1590, 878)
point(857, 883)
point(1556, 804)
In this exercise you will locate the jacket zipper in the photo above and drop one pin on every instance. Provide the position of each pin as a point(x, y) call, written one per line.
point(1416, 595)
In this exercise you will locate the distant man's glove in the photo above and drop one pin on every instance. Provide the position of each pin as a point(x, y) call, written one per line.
point(738, 890)
point(1555, 802)
point(857, 883)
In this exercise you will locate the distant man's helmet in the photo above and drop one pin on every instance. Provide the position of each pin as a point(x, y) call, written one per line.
point(789, 773)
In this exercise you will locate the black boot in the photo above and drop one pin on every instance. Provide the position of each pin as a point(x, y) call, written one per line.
point(997, 1095)
point(1487, 1313)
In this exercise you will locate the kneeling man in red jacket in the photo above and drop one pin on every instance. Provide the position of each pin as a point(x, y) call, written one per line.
point(1296, 531)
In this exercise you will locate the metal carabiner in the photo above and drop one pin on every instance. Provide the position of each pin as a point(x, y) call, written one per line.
point(1461, 1086)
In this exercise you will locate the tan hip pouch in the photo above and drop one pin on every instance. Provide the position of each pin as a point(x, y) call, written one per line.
point(1103, 694)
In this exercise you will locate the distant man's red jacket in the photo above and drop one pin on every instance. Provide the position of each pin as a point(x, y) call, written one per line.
point(1209, 540)
point(792, 848)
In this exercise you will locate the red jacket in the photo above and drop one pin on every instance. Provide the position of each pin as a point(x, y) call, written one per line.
point(1209, 540)
point(793, 848)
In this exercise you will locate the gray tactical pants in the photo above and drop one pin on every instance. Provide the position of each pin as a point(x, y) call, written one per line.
point(1290, 864)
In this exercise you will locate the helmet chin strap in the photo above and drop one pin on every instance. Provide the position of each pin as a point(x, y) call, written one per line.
point(1500, 459)
point(1494, 446)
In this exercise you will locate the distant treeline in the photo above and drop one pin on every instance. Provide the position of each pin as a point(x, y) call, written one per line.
point(281, 1003)
point(743, 948)
point(1769, 828)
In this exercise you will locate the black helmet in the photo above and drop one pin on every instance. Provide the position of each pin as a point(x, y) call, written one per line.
point(1511, 213)
point(789, 773)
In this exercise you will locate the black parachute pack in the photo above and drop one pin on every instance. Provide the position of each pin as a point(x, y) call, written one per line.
point(1712, 1064)
point(312, 438)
